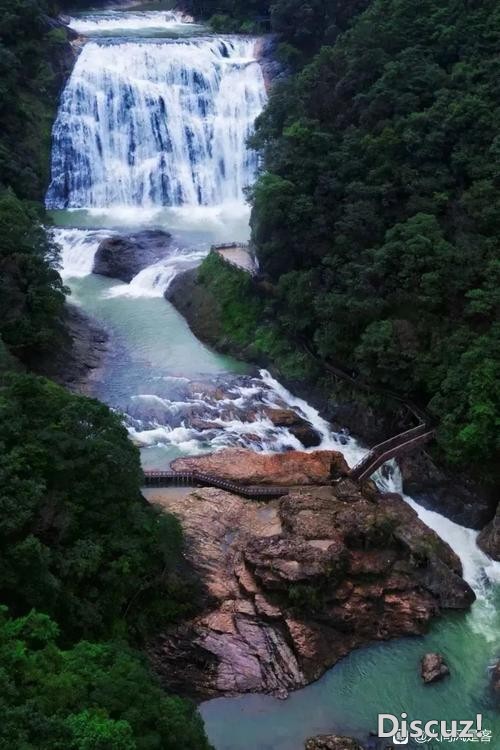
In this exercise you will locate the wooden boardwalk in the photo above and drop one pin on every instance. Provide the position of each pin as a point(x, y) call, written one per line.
point(399, 445)
point(200, 479)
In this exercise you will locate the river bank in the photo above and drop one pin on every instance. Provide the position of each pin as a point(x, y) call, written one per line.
point(80, 354)
point(296, 584)
point(180, 399)
point(454, 494)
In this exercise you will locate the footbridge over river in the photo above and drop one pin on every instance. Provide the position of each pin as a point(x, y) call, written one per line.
point(399, 445)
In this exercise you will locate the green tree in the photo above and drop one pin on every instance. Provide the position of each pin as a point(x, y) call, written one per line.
point(77, 539)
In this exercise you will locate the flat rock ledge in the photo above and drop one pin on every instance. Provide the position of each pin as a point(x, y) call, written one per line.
point(295, 584)
point(332, 742)
point(282, 469)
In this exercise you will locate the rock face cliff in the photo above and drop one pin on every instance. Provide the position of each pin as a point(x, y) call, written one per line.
point(295, 584)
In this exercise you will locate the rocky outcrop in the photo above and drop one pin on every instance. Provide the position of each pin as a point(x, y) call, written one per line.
point(295, 424)
point(122, 257)
point(79, 354)
point(456, 497)
point(489, 538)
point(284, 469)
point(198, 306)
point(265, 52)
point(295, 584)
point(433, 668)
point(332, 742)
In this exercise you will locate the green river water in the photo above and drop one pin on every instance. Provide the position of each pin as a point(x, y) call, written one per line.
point(152, 343)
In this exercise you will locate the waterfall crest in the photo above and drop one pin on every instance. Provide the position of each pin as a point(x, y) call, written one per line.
point(157, 124)
point(130, 22)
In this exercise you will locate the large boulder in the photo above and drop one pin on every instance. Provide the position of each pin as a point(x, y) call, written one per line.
point(123, 256)
point(283, 469)
point(299, 427)
point(295, 584)
point(457, 497)
point(433, 668)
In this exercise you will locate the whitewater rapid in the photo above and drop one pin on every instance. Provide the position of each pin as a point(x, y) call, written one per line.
point(130, 22)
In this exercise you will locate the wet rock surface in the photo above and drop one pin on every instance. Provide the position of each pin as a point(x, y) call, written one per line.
point(124, 256)
point(79, 355)
point(332, 742)
point(266, 52)
point(489, 538)
point(222, 411)
point(457, 497)
point(433, 668)
point(283, 469)
point(295, 584)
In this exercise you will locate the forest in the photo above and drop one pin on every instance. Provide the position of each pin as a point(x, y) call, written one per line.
point(88, 570)
point(376, 223)
point(379, 211)
point(376, 216)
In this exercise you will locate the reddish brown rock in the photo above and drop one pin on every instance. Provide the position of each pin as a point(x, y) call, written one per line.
point(285, 469)
point(295, 584)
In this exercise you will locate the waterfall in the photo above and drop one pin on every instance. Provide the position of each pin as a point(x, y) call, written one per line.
point(131, 22)
point(154, 124)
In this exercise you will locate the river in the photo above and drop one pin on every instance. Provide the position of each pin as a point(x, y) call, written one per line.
point(151, 133)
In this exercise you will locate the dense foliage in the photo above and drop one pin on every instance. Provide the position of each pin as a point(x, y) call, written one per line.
point(31, 46)
point(378, 218)
point(79, 543)
point(90, 697)
point(33, 50)
point(31, 291)
point(303, 25)
point(76, 539)
point(243, 312)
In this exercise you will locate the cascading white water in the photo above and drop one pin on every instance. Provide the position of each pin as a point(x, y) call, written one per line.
point(157, 124)
point(109, 21)
point(78, 248)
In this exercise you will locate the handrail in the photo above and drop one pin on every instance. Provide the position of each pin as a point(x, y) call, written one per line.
point(399, 439)
point(196, 478)
point(374, 459)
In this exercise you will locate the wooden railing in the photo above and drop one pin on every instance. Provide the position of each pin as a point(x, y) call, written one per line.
point(200, 479)
point(399, 445)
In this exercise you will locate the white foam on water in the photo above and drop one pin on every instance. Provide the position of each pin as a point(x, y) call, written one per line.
point(330, 440)
point(78, 249)
point(480, 571)
point(157, 124)
point(184, 438)
point(154, 280)
point(111, 21)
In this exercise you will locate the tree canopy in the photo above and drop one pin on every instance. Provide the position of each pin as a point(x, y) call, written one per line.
point(379, 209)
point(93, 696)
point(77, 541)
